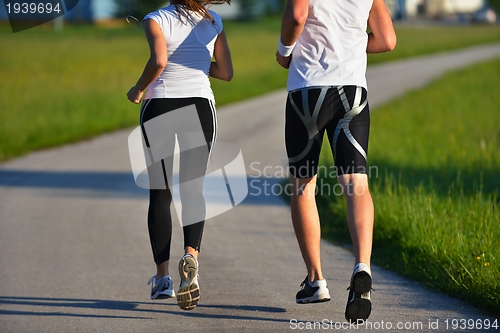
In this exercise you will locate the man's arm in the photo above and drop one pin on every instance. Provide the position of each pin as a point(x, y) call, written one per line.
point(382, 37)
point(292, 24)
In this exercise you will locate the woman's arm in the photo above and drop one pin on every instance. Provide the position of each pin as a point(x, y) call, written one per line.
point(382, 37)
point(156, 63)
point(292, 24)
point(222, 67)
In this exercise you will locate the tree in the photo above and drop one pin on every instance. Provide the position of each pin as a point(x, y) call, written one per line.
point(255, 9)
point(137, 8)
point(495, 4)
point(248, 9)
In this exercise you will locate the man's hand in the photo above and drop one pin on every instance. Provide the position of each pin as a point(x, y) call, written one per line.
point(283, 61)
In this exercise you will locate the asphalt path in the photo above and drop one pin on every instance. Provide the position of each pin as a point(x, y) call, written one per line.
point(75, 253)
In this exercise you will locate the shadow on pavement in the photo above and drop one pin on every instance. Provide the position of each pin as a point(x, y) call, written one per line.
point(121, 185)
point(63, 306)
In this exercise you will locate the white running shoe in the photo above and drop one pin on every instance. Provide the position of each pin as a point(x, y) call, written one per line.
point(189, 290)
point(162, 288)
point(313, 293)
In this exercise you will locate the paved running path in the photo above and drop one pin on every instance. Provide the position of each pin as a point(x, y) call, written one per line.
point(75, 255)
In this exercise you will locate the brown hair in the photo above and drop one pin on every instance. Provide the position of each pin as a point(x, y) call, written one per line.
point(198, 6)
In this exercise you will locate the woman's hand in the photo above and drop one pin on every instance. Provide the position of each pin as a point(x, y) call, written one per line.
point(134, 95)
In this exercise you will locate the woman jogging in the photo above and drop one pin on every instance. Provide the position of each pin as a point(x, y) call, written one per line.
point(183, 37)
point(324, 46)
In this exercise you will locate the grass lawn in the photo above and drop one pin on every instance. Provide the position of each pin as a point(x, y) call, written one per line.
point(63, 87)
point(435, 194)
point(434, 169)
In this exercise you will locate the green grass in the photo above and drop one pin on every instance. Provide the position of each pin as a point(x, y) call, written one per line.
point(420, 40)
point(62, 87)
point(435, 176)
point(435, 195)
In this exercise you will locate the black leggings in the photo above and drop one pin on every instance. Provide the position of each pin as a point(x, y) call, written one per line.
point(193, 162)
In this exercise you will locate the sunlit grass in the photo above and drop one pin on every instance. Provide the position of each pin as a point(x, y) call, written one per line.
point(436, 150)
point(415, 40)
point(62, 87)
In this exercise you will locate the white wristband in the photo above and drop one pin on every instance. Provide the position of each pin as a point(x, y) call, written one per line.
point(284, 50)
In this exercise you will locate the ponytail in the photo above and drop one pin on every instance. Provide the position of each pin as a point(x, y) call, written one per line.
point(198, 6)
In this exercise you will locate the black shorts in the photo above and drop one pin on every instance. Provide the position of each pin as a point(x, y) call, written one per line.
point(343, 112)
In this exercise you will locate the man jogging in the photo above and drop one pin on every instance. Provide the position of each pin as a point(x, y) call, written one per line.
point(324, 46)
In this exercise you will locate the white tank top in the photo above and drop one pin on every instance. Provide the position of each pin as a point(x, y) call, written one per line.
point(190, 47)
point(332, 47)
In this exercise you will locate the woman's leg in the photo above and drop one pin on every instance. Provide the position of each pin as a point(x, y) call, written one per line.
point(160, 229)
point(195, 143)
point(160, 175)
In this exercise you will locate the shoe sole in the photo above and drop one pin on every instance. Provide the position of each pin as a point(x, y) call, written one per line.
point(314, 299)
point(361, 307)
point(188, 296)
point(189, 292)
point(310, 301)
point(163, 296)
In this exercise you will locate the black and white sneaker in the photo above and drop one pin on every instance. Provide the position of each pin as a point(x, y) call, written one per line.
point(359, 306)
point(189, 290)
point(315, 293)
point(162, 288)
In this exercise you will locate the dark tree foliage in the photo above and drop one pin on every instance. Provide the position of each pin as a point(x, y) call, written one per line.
point(495, 4)
point(138, 8)
point(248, 9)
point(255, 9)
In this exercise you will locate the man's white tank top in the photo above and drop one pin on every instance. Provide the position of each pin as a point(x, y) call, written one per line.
point(332, 47)
point(190, 47)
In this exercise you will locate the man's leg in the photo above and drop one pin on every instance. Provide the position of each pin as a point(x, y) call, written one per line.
point(360, 220)
point(359, 214)
point(306, 224)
